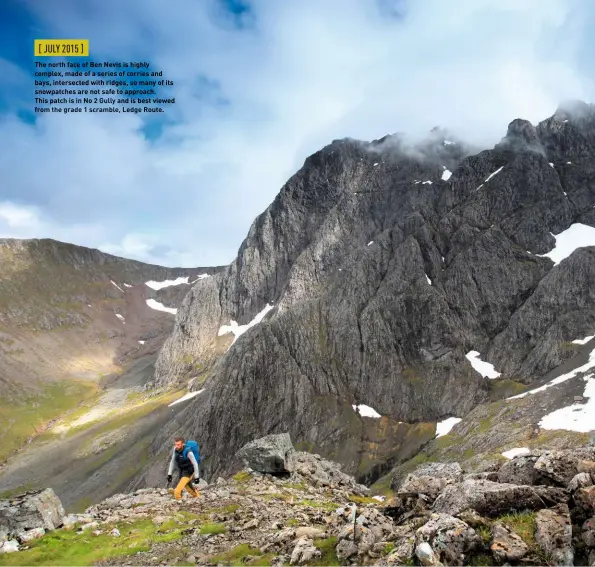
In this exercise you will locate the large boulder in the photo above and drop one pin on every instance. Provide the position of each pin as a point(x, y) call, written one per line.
point(493, 498)
point(30, 513)
point(450, 538)
point(553, 533)
point(431, 478)
point(520, 470)
point(557, 467)
point(268, 454)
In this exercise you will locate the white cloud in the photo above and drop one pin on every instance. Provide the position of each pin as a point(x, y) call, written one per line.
point(307, 72)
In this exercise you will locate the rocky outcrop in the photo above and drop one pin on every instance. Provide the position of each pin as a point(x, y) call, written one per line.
point(28, 516)
point(368, 280)
point(269, 454)
point(256, 517)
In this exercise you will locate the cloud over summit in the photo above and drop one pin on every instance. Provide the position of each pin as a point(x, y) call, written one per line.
point(259, 86)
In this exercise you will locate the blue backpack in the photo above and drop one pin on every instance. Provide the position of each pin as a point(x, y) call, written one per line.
point(192, 446)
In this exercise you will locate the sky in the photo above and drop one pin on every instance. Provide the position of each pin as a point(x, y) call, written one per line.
point(259, 86)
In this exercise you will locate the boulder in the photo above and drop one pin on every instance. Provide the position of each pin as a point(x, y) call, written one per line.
point(426, 555)
point(268, 454)
point(450, 538)
point(584, 499)
point(506, 544)
point(559, 467)
point(30, 511)
point(303, 552)
point(345, 549)
point(431, 478)
point(519, 470)
point(493, 498)
point(553, 534)
point(9, 546)
point(580, 480)
point(588, 533)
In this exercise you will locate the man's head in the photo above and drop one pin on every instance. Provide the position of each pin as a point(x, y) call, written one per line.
point(179, 443)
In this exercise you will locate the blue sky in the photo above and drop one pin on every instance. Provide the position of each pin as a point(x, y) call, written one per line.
point(260, 85)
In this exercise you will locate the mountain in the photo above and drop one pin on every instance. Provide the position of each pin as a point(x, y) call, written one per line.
point(72, 320)
point(368, 301)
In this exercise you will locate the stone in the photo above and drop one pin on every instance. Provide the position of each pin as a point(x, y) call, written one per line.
point(9, 546)
point(309, 531)
point(520, 470)
point(450, 538)
point(402, 553)
point(553, 534)
point(426, 555)
point(251, 524)
point(557, 466)
point(580, 480)
point(30, 535)
point(493, 498)
point(303, 552)
point(506, 544)
point(268, 454)
point(588, 532)
point(40, 509)
point(584, 499)
point(345, 549)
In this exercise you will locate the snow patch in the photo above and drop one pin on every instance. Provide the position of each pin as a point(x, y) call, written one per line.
point(141, 342)
point(370, 243)
point(426, 183)
point(160, 307)
point(120, 317)
point(116, 285)
point(444, 427)
point(446, 175)
point(575, 236)
point(127, 285)
point(551, 164)
point(428, 279)
point(416, 182)
point(577, 417)
point(201, 277)
point(484, 368)
point(166, 283)
point(375, 164)
point(569, 162)
point(516, 452)
point(492, 174)
point(581, 369)
point(583, 341)
point(365, 411)
point(239, 330)
point(185, 397)
point(448, 143)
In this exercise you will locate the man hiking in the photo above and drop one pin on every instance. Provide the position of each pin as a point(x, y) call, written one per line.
point(184, 456)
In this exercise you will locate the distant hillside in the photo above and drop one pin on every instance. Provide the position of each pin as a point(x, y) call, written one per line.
point(71, 319)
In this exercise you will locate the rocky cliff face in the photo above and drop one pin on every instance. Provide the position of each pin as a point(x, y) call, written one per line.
point(384, 266)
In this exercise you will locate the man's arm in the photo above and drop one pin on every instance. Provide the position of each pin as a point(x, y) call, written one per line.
point(194, 464)
point(172, 463)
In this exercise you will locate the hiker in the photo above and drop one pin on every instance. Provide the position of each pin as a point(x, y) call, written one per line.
point(185, 455)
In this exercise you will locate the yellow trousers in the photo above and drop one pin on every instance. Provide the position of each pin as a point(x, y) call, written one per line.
point(184, 484)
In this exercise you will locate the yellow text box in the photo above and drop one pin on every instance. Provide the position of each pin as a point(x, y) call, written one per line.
point(61, 48)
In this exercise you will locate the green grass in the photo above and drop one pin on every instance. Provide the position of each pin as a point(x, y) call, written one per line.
point(363, 499)
point(327, 548)
point(242, 476)
point(25, 418)
point(63, 547)
point(16, 491)
point(314, 504)
point(213, 529)
point(523, 524)
point(236, 555)
point(296, 486)
point(292, 523)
